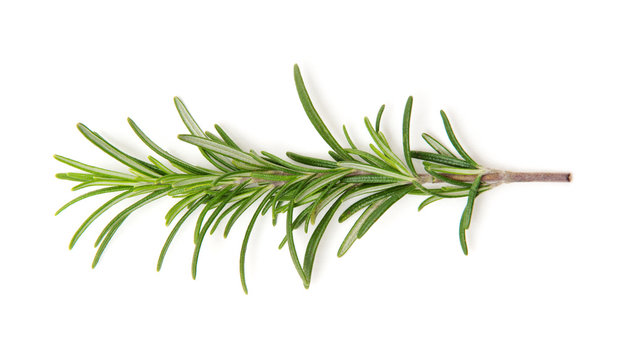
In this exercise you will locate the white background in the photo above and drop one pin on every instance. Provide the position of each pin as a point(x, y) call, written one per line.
point(528, 86)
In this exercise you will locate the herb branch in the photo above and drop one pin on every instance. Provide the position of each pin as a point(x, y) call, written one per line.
point(299, 188)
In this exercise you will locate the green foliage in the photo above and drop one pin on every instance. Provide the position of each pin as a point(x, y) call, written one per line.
point(375, 179)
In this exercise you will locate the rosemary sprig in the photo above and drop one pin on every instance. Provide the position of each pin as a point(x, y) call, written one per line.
point(304, 185)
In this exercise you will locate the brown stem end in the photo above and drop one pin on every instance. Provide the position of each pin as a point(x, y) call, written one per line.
point(510, 177)
point(536, 177)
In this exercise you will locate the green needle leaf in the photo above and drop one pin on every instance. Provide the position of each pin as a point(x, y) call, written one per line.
point(407, 114)
point(437, 146)
point(241, 209)
point(235, 200)
point(116, 199)
point(93, 169)
point(228, 140)
point(454, 141)
point(428, 201)
point(271, 177)
point(308, 160)
point(327, 196)
point(314, 241)
point(212, 202)
point(464, 224)
point(93, 193)
point(313, 116)
point(245, 242)
point(386, 153)
point(440, 159)
point(160, 166)
point(290, 238)
point(224, 197)
point(374, 170)
point(195, 129)
point(451, 170)
point(363, 203)
point(371, 159)
point(368, 179)
point(348, 138)
point(390, 164)
point(353, 233)
point(179, 206)
point(219, 148)
point(379, 117)
point(321, 182)
point(87, 183)
point(300, 219)
point(117, 221)
point(196, 180)
point(289, 165)
point(172, 234)
point(228, 175)
point(335, 156)
point(447, 179)
point(217, 161)
point(181, 164)
point(225, 213)
point(377, 213)
point(135, 164)
point(71, 176)
point(186, 117)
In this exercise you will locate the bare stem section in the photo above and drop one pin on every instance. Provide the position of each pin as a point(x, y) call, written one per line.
point(511, 177)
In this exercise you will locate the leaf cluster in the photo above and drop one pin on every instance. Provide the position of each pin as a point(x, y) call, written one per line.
point(303, 189)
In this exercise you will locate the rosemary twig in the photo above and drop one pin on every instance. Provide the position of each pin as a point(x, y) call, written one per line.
point(375, 180)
